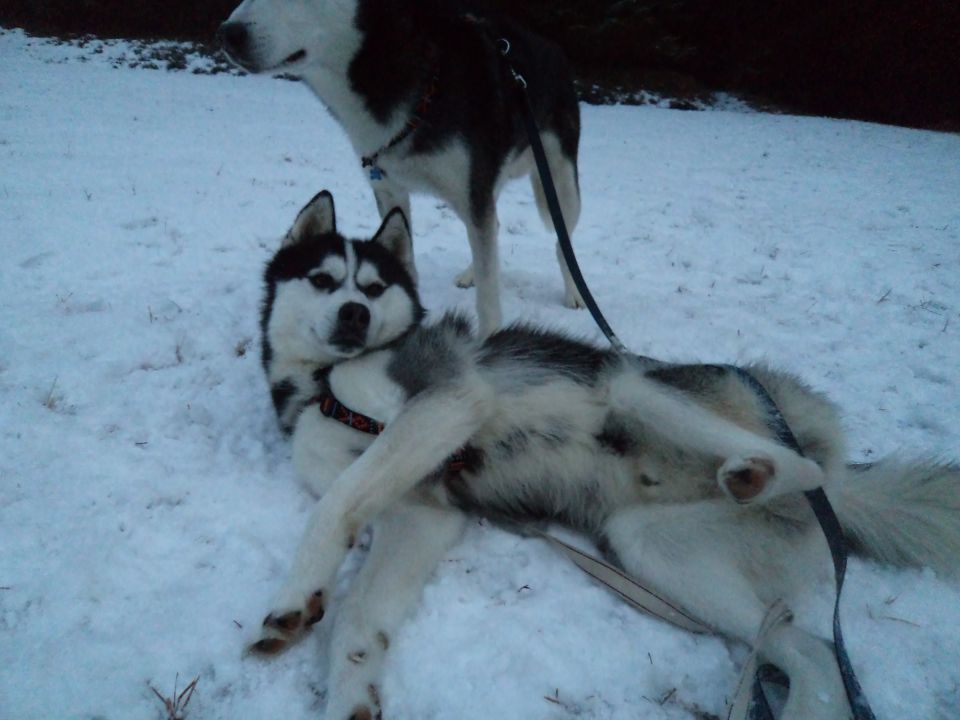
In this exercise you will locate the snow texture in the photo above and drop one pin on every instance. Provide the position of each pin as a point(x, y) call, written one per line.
point(148, 508)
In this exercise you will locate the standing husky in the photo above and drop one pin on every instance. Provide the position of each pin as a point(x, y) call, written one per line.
point(671, 469)
point(419, 87)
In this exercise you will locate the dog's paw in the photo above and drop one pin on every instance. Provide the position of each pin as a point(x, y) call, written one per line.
point(372, 711)
point(355, 672)
point(282, 628)
point(761, 478)
point(465, 279)
point(745, 479)
point(365, 713)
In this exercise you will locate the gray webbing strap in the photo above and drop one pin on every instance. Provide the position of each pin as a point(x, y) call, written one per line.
point(627, 588)
point(747, 702)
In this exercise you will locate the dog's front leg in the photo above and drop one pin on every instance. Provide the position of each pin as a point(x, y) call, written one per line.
point(428, 430)
point(408, 542)
point(482, 235)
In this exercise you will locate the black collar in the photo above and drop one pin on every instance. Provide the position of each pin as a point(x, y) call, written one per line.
point(409, 127)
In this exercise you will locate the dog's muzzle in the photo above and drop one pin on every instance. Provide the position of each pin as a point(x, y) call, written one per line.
point(237, 41)
point(234, 38)
point(353, 320)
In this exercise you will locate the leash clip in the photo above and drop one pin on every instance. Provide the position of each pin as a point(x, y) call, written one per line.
point(520, 79)
point(504, 46)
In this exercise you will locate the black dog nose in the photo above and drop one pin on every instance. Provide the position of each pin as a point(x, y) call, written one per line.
point(354, 316)
point(234, 37)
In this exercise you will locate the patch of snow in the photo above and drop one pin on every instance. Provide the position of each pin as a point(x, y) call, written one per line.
point(148, 509)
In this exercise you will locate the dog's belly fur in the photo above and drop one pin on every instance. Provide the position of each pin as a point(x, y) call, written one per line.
point(557, 453)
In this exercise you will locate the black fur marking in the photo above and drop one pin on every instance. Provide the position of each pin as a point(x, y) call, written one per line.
point(266, 349)
point(614, 442)
point(429, 357)
point(297, 260)
point(690, 378)
point(551, 352)
point(616, 437)
point(281, 393)
point(266, 308)
point(518, 440)
point(391, 270)
point(321, 376)
point(517, 508)
point(555, 434)
point(515, 443)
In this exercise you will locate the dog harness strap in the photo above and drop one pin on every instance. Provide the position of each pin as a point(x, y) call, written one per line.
point(409, 127)
point(833, 532)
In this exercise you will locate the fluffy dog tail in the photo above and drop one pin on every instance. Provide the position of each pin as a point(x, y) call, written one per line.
point(902, 513)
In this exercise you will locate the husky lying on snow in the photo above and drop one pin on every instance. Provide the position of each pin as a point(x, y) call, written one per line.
point(381, 66)
point(671, 469)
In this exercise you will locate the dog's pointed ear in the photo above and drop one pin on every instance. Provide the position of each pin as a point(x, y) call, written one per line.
point(317, 218)
point(394, 235)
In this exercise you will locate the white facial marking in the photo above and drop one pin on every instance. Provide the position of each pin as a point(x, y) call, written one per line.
point(368, 275)
point(333, 265)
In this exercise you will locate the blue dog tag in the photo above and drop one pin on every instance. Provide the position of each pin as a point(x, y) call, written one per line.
point(376, 173)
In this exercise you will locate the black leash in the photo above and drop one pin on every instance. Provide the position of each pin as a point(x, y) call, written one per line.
point(553, 202)
point(822, 509)
point(833, 532)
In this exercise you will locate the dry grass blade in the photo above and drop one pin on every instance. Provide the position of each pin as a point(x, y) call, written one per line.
point(176, 705)
point(188, 694)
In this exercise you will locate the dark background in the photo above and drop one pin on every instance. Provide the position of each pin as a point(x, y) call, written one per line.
point(894, 61)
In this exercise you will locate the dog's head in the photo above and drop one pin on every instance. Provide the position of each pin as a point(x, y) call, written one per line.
point(329, 299)
point(264, 36)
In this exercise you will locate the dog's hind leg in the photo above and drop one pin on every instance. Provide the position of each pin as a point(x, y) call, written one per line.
point(753, 467)
point(389, 195)
point(725, 566)
point(564, 172)
point(408, 542)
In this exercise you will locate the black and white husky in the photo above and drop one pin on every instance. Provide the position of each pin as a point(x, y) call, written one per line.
point(671, 469)
point(382, 66)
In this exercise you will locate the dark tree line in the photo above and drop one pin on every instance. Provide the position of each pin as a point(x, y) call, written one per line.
point(894, 61)
point(179, 19)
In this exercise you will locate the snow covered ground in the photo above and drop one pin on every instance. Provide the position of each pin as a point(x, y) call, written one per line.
point(148, 508)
